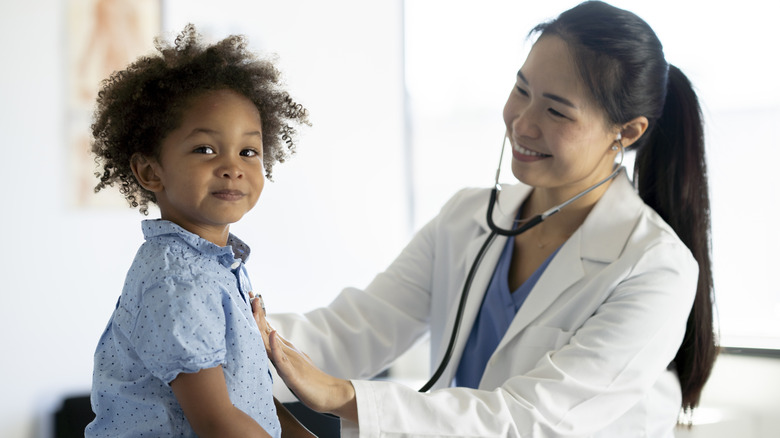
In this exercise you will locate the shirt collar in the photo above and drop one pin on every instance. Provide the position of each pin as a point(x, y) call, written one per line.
point(235, 248)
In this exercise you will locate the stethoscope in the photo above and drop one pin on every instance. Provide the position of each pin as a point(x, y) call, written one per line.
point(495, 230)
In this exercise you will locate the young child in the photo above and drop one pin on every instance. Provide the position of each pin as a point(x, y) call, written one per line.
point(193, 129)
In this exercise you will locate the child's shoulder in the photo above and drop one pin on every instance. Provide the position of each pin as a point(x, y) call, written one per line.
point(163, 262)
point(165, 240)
point(170, 252)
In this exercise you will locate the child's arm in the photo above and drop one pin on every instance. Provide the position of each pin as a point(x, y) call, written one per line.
point(204, 398)
point(291, 427)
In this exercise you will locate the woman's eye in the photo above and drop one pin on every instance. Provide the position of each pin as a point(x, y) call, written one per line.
point(521, 91)
point(208, 150)
point(555, 113)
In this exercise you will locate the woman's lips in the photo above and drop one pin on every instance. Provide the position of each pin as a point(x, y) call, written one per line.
point(521, 153)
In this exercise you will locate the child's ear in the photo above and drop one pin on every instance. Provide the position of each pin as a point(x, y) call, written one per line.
point(145, 171)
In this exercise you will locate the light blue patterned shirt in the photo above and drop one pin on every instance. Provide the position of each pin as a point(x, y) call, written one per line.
point(184, 307)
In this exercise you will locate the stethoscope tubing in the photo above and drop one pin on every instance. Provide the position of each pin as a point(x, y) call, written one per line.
point(494, 231)
point(459, 315)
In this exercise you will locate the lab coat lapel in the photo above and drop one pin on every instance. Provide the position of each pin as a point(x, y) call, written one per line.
point(564, 270)
point(511, 197)
point(600, 238)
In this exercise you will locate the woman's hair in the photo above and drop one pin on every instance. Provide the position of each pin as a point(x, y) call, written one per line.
point(622, 63)
point(140, 105)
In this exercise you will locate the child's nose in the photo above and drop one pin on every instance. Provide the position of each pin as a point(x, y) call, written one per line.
point(231, 169)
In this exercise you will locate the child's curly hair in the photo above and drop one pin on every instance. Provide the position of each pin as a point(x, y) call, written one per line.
point(139, 106)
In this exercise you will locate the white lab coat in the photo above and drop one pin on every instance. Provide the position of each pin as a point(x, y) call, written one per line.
point(587, 354)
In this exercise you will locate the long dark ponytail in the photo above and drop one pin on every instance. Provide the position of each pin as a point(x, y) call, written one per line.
point(622, 63)
point(671, 175)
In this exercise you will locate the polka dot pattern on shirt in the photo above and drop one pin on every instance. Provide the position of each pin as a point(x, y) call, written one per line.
point(183, 308)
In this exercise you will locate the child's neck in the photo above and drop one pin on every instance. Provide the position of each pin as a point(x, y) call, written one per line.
point(217, 234)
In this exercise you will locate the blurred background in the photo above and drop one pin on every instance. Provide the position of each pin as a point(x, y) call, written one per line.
point(405, 99)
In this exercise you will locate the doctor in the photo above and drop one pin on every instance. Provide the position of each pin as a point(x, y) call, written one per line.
point(595, 322)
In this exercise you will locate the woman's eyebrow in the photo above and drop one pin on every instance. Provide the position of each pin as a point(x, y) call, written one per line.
point(550, 96)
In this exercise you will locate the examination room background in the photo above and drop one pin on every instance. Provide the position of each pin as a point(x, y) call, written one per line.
point(405, 99)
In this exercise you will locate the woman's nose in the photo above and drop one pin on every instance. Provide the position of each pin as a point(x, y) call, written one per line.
point(524, 124)
point(520, 120)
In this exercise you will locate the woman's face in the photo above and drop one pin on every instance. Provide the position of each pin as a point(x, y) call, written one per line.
point(560, 138)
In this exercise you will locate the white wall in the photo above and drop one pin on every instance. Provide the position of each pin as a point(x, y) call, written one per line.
point(63, 267)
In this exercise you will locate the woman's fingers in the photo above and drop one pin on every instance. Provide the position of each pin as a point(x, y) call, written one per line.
point(258, 312)
point(319, 391)
point(285, 342)
point(284, 346)
point(316, 389)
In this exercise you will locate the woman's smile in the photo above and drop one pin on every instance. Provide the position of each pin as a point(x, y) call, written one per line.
point(524, 154)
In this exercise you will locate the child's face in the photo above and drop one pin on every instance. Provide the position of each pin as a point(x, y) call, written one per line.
point(211, 167)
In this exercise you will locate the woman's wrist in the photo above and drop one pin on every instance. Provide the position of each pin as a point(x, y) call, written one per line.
point(347, 408)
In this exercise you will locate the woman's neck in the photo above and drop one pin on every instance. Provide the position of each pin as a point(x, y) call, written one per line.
point(569, 218)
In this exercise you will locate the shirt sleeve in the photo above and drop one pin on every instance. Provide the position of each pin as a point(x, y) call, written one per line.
point(177, 327)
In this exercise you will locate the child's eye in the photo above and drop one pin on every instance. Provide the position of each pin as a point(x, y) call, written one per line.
point(249, 153)
point(208, 150)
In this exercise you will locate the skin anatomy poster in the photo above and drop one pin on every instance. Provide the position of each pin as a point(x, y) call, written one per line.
point(103, 36)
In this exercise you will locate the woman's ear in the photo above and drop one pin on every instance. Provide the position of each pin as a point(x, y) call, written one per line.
point(146, 172)
point(633, 130)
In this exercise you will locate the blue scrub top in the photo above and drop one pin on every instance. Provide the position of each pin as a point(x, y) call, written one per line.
point(499, 307)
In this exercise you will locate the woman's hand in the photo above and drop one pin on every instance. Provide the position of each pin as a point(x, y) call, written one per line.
point(316, 389)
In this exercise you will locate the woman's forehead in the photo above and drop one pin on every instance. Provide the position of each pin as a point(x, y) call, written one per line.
point(550, 69)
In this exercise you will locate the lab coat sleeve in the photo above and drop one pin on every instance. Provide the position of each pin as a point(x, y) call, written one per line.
point(576, 389)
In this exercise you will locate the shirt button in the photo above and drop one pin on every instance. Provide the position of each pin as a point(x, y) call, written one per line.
point(235, 265)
